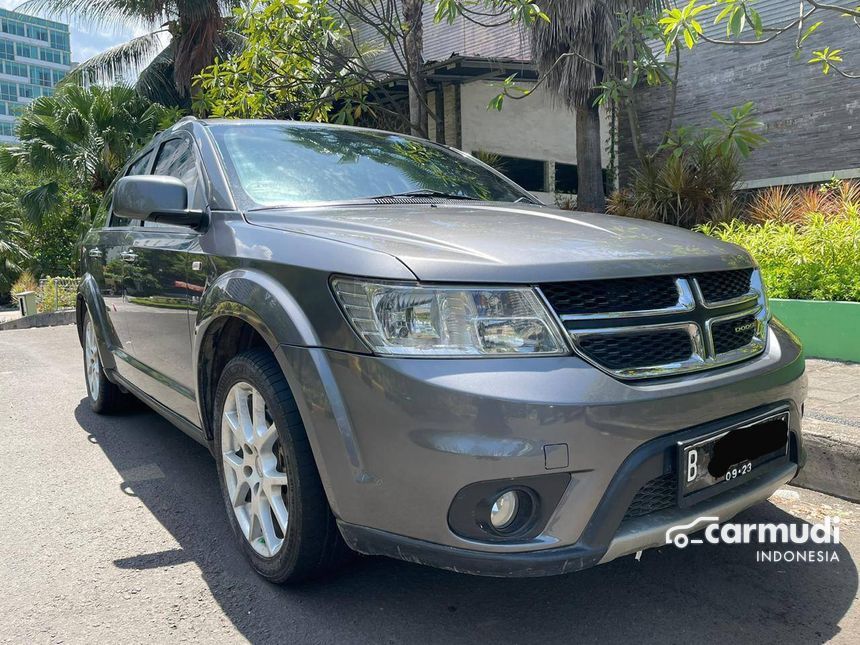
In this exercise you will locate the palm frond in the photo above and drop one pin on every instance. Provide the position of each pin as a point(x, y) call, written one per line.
point(119, 63)
point(587, 29)
point(41, 200)
point(111, 14)
point(156, 82)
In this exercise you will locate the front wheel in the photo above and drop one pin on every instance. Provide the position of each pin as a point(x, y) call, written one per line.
point(104, 396)
point(269, 481)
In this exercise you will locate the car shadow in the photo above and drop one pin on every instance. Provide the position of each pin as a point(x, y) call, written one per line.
point(704, 593)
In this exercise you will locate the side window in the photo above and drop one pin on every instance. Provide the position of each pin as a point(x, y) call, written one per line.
point(177, 159)
point(137, 168)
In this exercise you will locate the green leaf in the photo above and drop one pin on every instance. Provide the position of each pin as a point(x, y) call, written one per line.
point(810, 30)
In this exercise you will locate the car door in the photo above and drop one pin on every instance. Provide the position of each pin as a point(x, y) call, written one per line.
point(156, 299)
point(102, 256)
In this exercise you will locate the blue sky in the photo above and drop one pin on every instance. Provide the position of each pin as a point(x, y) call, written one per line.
point(86, 42)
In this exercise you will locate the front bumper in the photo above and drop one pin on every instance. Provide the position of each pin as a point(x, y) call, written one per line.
point(640, 534)
point(396, 440)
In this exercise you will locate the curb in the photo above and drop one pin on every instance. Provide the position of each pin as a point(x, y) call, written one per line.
point(832, 459)
point(51, 319)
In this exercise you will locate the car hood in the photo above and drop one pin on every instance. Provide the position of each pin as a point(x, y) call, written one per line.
point(510, 242)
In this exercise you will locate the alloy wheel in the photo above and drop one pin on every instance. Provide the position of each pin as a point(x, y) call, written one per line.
point(254, 469)
point(91, 360)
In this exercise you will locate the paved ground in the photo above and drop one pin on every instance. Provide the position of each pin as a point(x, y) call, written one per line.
point(111, 529)
point(9, 314)
point(834, 392)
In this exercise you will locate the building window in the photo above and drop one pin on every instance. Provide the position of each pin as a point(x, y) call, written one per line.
point(8, 92)
point(7, 50)
point(528, 173)
point(37, 33)
point(7, 129)
point(59, 40)
point(14, 69)
point(27, 51)
point(39, 76)
point(567, 179)
point(12, 27)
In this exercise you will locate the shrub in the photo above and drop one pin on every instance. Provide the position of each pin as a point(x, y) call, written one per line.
point(818, 259)
point(784, 204)
point(25, 282)
point(692, 186)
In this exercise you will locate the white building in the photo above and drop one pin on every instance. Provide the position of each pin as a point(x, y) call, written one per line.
point(34, 56)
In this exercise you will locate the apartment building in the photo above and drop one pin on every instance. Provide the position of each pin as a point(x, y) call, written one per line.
point(34, 56)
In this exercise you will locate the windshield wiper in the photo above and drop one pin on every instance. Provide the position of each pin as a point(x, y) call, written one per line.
point(424, 193)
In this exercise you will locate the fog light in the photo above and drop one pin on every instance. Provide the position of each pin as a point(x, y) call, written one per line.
point(504, 509)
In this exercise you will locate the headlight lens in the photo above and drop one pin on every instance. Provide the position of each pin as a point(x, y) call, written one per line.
point(405, 319)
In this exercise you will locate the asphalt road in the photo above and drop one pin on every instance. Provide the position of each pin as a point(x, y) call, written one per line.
point(112, 530)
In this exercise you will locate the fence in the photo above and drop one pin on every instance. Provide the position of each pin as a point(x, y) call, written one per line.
point(54, 294)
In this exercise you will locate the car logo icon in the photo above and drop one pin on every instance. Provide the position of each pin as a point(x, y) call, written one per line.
point(678, 535)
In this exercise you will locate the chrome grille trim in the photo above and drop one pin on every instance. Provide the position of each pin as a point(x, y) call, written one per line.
point(696, 360)
point(685, 302)
point(752, 296)
point(692, 314)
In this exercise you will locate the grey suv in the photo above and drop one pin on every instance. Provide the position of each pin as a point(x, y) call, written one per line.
point(389, 346)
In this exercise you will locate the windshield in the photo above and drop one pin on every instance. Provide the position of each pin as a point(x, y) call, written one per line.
point(298, 164)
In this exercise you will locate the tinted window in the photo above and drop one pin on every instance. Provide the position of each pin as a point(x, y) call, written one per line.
point(300, 164)
point(176, 158)
point(137, 168)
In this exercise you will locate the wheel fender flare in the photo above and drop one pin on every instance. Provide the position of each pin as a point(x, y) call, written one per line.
point(90, 300)
point(261, 302)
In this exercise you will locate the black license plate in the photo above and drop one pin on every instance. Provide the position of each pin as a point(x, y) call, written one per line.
point(708, 465)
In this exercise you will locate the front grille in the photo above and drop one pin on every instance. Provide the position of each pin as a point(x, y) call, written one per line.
point(658, 494)
point(638, 349)
point(663, 325)
point(724, 285)
point(733, 334)
point(606, 296)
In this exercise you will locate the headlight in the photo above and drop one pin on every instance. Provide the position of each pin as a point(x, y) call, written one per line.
point(407, 319)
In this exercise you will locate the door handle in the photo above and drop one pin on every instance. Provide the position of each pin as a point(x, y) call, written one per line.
point(95, 253)
point(128, 256)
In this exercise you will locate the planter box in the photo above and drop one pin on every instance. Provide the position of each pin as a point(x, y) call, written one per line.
point(827, 329)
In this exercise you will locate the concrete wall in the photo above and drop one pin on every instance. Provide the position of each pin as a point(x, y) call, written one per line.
point(532, 128)
point(811, 120)
point(441, 41)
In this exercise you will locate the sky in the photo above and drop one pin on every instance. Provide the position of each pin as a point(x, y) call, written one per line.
point(87, 42)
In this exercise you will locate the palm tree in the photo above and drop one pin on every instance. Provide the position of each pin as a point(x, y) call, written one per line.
point(12, 240)
point(194, 30)
point(83, 134)
point(572, 50)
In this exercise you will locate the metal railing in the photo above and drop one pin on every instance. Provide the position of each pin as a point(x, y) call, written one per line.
point(55, 294)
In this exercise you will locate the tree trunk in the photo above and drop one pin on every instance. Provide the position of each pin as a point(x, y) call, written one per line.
point(590, 196)
point(413, 11)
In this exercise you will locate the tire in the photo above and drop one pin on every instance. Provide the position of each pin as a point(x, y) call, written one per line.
point(104, 397)
point(270, 485)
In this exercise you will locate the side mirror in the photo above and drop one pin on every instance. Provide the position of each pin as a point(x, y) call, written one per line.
point(155, 198)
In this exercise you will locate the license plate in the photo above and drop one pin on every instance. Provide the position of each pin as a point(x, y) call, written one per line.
point(721, 460)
